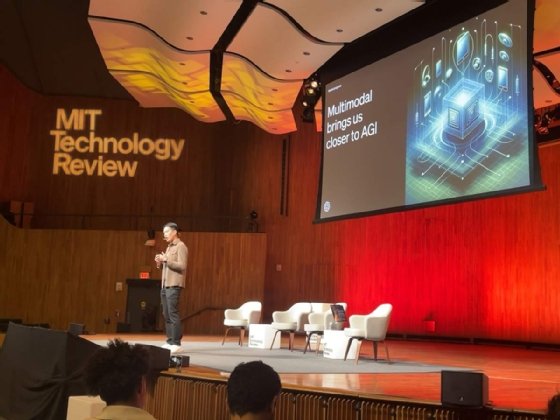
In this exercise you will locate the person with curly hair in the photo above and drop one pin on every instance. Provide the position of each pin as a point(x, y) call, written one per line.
point(252, 390)
point(118, 373)
point(553, 409)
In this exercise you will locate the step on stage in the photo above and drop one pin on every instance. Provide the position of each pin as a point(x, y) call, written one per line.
point(520, 380)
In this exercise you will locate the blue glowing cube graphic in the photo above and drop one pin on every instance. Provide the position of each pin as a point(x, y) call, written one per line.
point(462, 105)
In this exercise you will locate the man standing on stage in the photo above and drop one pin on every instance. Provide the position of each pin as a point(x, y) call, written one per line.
point(173, 263)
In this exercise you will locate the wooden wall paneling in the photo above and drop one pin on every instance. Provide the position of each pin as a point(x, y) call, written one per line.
point(309, 406)
point(340, 408)
point(225, 270)
point(15, 139)
point(220, 396)
point(188, 398)
point(160, 403)
point(285, 406)
point(62, 276)
point(58, 277)
point(376, 410)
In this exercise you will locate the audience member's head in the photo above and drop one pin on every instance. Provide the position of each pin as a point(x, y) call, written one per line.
point(252, 390)
point(553, 411)
point(118, 373)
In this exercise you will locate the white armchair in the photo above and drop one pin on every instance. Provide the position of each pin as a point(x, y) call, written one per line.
point(240, 318)
point(372, 327)
point(320, 319)
point(290, 321)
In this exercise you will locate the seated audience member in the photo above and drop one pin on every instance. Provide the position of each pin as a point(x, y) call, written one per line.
point(252, 390)
point(553, 411)
point(118, 373)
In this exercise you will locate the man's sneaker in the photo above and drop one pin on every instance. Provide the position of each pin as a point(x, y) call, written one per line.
point(174, 348)
point(166, 346)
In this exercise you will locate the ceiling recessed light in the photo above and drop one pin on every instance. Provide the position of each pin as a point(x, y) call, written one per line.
point(270, 103)
point(306, 53)
point(203, 12)
point(378, 9)
point(339, 30)
point(274, 89)
point(288, 71)
point(190, 38)
point(548, 101)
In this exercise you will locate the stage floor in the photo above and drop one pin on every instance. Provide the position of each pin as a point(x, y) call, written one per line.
point(519, 379)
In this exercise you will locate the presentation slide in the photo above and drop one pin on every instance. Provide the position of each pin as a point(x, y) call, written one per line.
point(444, 120)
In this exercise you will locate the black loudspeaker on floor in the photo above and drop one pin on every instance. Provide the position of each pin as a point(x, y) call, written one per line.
point(464, 389)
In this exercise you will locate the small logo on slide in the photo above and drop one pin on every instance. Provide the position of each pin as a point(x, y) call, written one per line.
point(326, 206)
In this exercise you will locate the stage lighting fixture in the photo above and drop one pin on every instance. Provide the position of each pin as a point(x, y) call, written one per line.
point(308, 115)
point(311, 93)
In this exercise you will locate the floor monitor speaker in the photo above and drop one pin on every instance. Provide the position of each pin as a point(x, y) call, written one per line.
point(464, 389)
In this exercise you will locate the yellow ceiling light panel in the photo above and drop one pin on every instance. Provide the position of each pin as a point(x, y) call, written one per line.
point(140, 50)
point(155, 73)
point(240, 76)
point(276, 122)
point(190, 77)
point(152, 92)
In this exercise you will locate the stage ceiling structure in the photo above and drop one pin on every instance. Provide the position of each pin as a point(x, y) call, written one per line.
point(216, 60)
